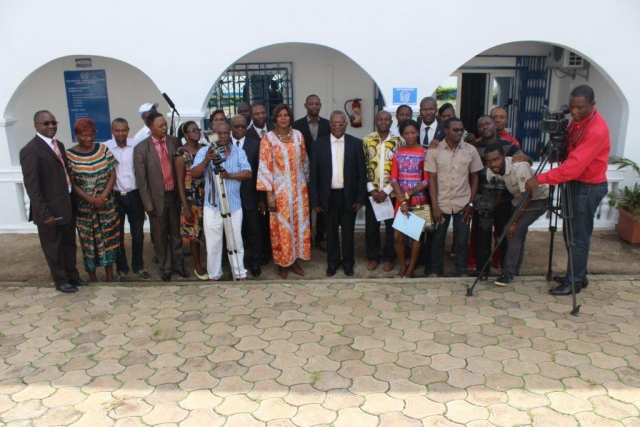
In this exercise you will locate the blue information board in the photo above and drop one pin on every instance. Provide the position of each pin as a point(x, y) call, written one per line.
point(405, 95)
point(87, 97)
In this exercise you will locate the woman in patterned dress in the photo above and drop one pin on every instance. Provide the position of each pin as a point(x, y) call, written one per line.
point(283, 173)
point(191, 191)
point(409, 180)
point(92, 169)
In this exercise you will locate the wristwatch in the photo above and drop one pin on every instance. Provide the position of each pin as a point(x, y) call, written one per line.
point(470, 204)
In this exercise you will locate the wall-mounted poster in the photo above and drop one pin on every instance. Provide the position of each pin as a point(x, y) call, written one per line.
point(87, 97)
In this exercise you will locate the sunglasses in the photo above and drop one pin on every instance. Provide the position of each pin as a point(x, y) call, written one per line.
point(51, 123)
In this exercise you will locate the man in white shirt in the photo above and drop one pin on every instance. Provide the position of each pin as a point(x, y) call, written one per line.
point(430, 129)
point(144, 111)
point(128, 200)
point(258, 127)
point(379, 147)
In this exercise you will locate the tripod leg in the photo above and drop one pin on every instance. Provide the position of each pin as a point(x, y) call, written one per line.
point(567, 202)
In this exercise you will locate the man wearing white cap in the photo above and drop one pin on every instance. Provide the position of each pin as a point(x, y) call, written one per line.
point(145, 110)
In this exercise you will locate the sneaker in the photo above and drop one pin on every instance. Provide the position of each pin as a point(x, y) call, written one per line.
point(502, 280)
point(143, 274)
point(122, 277)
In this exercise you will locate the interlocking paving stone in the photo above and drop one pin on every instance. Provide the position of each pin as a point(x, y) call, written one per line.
point(343, 353)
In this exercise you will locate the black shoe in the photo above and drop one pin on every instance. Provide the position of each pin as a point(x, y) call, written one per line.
point(256, 272)
point(78, 282)
point(166, 277)
point(502, 280)
point(348, 271)
point(155, 259)
point(67, 288)
point(564, 289)
point(331, 271)
point(560, 279)
point(182, 273)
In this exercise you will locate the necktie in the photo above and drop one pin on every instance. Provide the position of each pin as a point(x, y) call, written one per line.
point(237, 143)
point(59, 154)
point(426, 135)
point(340, 160)
point(262, 132)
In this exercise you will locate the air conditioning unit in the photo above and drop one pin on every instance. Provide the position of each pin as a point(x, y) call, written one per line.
point(572, 60)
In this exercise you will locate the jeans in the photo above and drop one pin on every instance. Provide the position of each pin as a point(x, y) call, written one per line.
point(131, 206)
point(585, 200)
point(461, 231)
point(515, 245)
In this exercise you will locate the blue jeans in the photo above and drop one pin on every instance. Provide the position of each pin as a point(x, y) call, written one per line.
point(461, 233)
point(585, 200)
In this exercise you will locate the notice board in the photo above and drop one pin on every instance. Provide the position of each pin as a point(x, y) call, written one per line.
point(87, 97)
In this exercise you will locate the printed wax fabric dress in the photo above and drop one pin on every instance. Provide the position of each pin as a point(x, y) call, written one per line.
point(194, 191)
point(407, 169)
point(284, 170)
point(97, 227)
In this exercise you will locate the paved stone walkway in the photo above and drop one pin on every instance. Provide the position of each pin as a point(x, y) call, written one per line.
point(348, 353)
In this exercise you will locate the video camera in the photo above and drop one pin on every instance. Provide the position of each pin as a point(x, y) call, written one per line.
point(486, 199)
point(555, 124)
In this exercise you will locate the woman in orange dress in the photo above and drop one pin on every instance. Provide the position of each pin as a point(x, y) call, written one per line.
point(283, 173)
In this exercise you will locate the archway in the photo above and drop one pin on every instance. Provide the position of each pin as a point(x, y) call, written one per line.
point(127, 88)
point(300, 69)
point(524, 76)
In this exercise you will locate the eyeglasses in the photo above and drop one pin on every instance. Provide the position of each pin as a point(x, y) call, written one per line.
point(51, 123)
point(196, 130)
point(456, 129)
point(337, 125)
point(239, 126)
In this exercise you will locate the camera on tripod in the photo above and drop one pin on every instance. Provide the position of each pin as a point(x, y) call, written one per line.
point(555, 123)
point(218, 160)
point(486, 199)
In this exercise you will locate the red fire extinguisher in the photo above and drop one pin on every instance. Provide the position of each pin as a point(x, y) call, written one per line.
point(355, 117)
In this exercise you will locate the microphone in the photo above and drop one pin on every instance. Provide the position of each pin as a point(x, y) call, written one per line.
point(170, 102)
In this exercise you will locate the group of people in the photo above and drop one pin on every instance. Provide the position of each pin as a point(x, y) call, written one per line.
point(276, 176)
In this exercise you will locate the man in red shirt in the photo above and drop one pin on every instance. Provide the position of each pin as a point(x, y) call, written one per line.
point(500, 117)
point(588, 146)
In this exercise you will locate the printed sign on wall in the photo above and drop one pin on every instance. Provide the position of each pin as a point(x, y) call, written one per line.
point(87, 97)
point(405, 95)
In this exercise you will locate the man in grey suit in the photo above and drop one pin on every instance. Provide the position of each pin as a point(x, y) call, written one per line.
point(44, 167)
point(157, 185)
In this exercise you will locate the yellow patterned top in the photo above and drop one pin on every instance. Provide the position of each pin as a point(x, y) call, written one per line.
point(373, 149)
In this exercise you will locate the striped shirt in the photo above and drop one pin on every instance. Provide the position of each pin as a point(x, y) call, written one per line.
point(236, 162)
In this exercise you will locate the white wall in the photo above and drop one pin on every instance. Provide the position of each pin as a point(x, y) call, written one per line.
point(127, 88)
point(183, 47)
point(331, 75)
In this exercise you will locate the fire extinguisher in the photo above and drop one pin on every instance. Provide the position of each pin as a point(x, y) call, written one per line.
point(355, 117)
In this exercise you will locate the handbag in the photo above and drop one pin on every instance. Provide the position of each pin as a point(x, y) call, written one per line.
point(424, 212)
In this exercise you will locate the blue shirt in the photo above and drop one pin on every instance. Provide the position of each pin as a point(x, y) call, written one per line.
point(236, 162)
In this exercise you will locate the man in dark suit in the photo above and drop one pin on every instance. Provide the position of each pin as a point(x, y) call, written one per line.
point(44, 167)
point(254, 202)
point(157, 186)
point(312, 127)
point(258, 127)
point(338, 187)
point(430, 129)
point(256, 130)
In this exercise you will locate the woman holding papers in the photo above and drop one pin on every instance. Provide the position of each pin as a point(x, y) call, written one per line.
point(410, 181)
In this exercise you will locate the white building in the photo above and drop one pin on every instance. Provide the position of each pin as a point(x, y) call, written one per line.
point(339, 50)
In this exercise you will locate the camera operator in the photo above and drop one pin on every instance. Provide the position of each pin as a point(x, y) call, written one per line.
point(488, 130)
point(236, 169)
point(588, 146)
point(514, 176)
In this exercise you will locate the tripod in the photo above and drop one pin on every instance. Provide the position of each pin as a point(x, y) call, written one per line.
point(227, 224)
point(563, 209)
point(484, 238)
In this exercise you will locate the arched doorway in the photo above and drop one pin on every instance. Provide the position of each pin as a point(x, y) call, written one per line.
point(524, 76)
point(289, 72)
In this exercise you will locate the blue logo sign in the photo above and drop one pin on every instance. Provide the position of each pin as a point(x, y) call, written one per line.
point(405, 95)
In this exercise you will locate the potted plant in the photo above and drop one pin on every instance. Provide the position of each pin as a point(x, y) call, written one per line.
point(627, 201)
